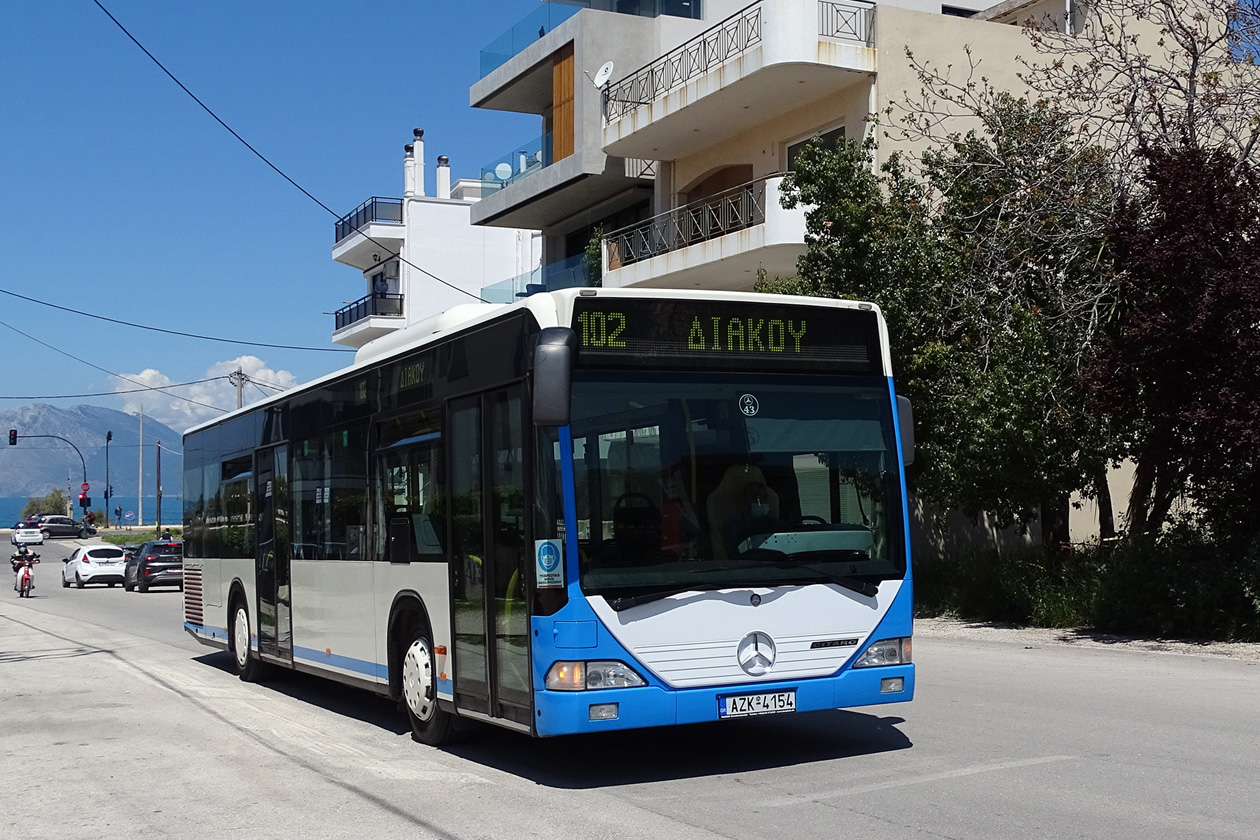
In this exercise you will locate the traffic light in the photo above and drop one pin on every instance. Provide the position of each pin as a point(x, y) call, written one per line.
point(12, 437)
point(84, 500)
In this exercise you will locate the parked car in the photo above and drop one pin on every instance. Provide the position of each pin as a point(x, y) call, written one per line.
point(156, 563)
point(27, 533)
point(63, 526)
point(93, 564)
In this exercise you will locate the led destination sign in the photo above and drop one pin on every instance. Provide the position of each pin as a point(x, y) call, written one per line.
point(674, 333)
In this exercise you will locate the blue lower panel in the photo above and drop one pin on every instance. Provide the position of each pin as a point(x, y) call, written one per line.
point(567, 712)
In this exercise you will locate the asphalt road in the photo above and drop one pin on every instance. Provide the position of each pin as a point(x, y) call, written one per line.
point(124, 727)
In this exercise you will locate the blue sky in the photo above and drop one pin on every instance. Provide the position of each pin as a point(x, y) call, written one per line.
point(120, 196)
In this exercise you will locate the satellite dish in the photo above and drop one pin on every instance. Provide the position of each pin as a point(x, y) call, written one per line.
point(503, 171)
point(603, 74)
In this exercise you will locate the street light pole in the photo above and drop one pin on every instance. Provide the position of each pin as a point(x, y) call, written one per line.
point(108, 437)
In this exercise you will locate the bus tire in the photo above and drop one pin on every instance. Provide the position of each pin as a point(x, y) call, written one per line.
point(430, 723)
point(244, 665)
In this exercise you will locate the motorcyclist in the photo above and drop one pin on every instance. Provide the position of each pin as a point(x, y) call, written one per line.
point(19, 557)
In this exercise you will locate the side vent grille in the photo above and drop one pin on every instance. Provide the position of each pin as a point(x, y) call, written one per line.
point(192, 596)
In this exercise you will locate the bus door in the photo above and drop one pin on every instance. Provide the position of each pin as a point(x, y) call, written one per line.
point(490, 549)
point(275, 626)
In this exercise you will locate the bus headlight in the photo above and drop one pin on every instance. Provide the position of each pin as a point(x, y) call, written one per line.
point(603, 673)
point(885, 652)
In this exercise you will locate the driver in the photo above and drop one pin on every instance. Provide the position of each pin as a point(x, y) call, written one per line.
point(757, 517)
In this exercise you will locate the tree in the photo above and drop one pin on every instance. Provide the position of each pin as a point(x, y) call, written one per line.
point(987, 267)
point(1181, 366)
point(54, 502)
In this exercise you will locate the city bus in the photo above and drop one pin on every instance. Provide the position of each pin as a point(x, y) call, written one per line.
point(592, 509)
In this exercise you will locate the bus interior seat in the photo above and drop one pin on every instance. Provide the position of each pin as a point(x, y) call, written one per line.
point(636, 524)
point(727, 502)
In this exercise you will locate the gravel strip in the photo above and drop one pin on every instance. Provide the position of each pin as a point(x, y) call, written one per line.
point(953, 628)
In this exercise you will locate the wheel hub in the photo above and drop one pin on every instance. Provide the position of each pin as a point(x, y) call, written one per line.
point(417, 680)
point(241, 637)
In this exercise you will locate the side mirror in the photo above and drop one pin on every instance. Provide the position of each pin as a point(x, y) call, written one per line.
point(905, 425)
point(65, 559)
point(553, 376)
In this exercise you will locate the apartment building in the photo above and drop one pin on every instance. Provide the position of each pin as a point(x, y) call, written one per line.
point(420, 256)
point(667, 125)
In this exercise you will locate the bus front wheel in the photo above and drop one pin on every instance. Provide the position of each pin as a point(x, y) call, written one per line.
point(244, 665)
point(430, 724)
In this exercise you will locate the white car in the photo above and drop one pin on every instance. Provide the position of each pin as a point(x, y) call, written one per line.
point(94, 564)
point(27, 533)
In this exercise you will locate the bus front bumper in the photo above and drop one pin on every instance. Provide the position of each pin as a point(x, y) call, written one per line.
point(570, 712)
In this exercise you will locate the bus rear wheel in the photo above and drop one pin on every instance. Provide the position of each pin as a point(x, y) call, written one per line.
point(244, 665)
point(430, 724)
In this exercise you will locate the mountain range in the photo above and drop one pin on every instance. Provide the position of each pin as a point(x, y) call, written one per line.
point(38, 464)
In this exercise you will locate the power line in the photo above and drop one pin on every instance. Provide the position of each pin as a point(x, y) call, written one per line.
point(264, 159)
point(103, 370)
point(178, 332)
point(112, 393)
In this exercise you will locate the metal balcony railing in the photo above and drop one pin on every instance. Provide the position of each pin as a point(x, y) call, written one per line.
point(375, 304)
point(373, 210)
point(674, 69)
point(726, 212)
point(846, 21)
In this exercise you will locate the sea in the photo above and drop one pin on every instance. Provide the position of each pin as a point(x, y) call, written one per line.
point(172, 509)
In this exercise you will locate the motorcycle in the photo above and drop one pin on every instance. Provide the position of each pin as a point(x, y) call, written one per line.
point(24, 572)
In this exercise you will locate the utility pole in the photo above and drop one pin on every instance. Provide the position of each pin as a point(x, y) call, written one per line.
point(140, 491)
point(238, 378)
point(108, 492)
point(158, 521)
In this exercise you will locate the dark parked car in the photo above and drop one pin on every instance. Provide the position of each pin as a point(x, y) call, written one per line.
point(156, 563)
point(63, 526)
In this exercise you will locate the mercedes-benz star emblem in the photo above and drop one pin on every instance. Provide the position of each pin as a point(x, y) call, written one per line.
point(756, 653)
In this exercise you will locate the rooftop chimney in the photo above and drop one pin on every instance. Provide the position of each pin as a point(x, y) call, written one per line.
point(418, 154)
point(443, 177)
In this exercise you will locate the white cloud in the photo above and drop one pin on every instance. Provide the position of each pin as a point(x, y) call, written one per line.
point(201, 400)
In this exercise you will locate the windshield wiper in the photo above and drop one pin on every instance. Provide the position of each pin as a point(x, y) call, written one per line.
point(625, 602)
point(783, 560)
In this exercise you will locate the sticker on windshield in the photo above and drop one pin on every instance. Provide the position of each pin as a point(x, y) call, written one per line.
point(748, 405)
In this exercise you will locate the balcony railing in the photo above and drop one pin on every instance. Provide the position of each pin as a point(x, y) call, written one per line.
point(846, 21)
point(563, 274)
point(375, 304)
point(674, 69)
point(373, 210)
point(840, 19)
point(717, 215)
point(516, 165)
point(550, 15)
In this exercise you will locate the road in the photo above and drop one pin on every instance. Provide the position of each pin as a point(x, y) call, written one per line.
point(124, 727)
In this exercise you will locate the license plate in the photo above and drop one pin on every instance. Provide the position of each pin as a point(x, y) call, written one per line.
point(745, 705)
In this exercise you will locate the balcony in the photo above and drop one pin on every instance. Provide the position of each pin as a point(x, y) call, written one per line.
point(367, 318)
point(380, 221)
point(718, 243)
point(548, 16)
point(564, 274)
point(738, 74)
point(515, 165)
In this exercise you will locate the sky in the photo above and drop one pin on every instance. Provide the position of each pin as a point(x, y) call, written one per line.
point(121, 197)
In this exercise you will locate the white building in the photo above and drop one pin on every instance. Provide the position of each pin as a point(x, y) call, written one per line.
point(419, 255)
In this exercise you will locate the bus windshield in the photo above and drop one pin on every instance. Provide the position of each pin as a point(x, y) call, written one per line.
point(691, 481)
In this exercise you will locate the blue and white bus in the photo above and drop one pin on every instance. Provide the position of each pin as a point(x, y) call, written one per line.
point(593, 509)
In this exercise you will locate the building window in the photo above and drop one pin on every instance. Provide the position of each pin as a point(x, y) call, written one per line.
point(830, 139)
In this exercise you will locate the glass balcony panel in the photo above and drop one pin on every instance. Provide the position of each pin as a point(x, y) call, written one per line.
point(515, 165)
point(550, 15)
point(569, 273)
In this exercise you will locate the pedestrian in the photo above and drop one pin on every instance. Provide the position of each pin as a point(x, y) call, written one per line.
point(166, 533)
point(118, 514)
